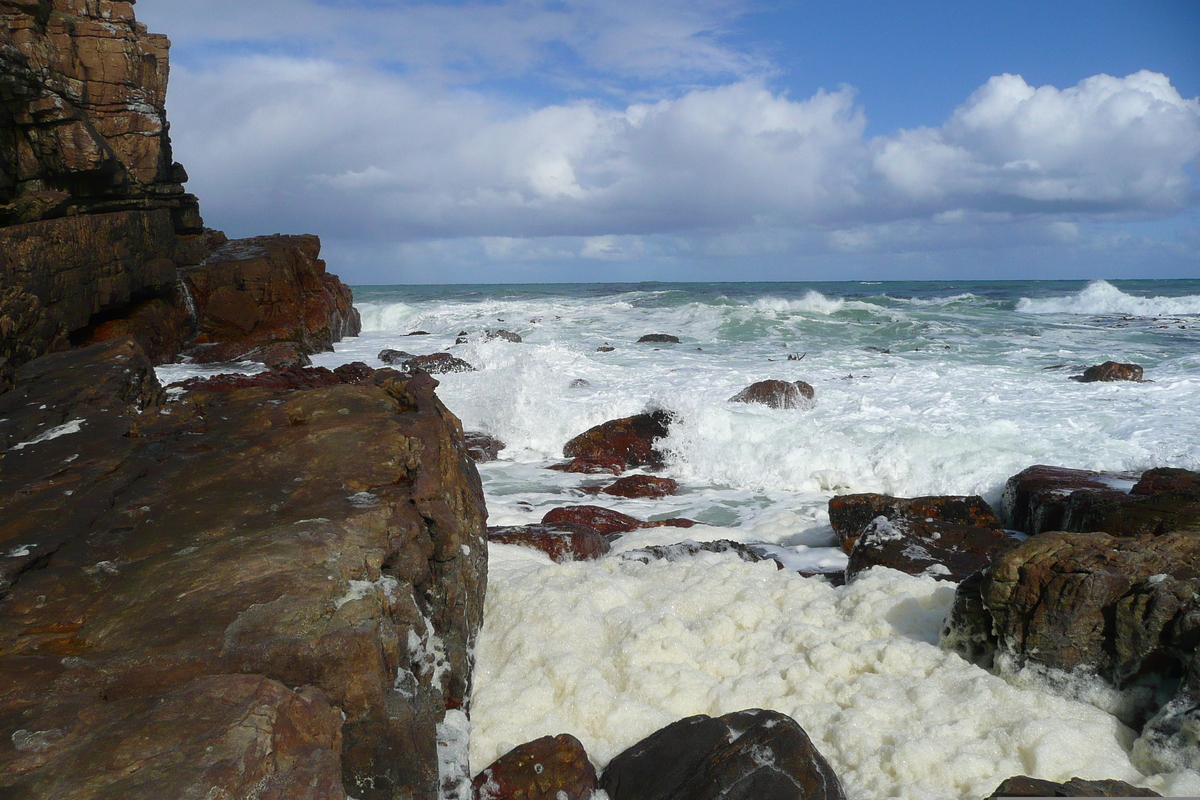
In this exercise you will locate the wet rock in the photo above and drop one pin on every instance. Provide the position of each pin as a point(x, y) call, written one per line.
point(230, 574)
point(850, 513)
point(1124, 609)
point(289, 378)
point(395, 357)
point(658, 338)
point(549, 768)
point(942, 550)
point(630, 439)
point(438, 364)
point(747, 755)
point(507, 336)
point(1170, 741)
point(605, 348)
point(579, 383)
point(482, 447)
point(967, 629)
point(27, 332)
point(607, 521)
point(562, 541)
point(776, 394)
point(682, 550)
point(592, 466)
point(1036, 498)
point(417, 333)
point(1110, 371)
point(1166, 479)
point(1023, 786)
point(646, 486)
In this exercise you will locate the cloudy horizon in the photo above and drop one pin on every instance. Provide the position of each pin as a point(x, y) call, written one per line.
point(521, 141)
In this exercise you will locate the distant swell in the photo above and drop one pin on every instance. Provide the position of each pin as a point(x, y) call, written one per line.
point(1103, 299)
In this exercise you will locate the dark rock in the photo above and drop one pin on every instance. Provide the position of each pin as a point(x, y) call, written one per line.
point(1022, 786)
point(942, 550)
point(26, 332)
point(461, 340)
point(438, 364)
point(1166, 479)
point(605, 348)
point(288, 378)
point(1110, 371)
point(176, 570)
point(630, 439)
point(1036, 498)
point(850, 513)
point(681, 550)
point(967, 629)
point(482, 447)
point(507, 336)
point(161, 325)
point(641, 486)
point(579, 383)
point(607, 521)
point(592, 466)
point(658, 338)
point(747, 755)
point(395, 357)
point(417, 333)
point(549, 768)
point(776, 394)
point(562, 541)
point(1170, 741)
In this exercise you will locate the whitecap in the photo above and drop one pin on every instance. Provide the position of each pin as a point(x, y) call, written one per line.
point(1101, 298)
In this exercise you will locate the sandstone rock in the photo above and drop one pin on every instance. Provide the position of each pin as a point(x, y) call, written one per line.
point(630, 439)
point(942, 550)
point(1022, 786)
point(562, 541)
point(234, 571)
point(1110, 371)
point(1124, 609)
point(747, 755)
point(850, 513)
point(482, 447)
point(1166, 479)
point(658, 338)
point(592, 466)
point(641, 486)
point(267, 291)
point(607, 521)
point(549, 768)
point(1036, 498)
point(507, 336)
point(26, 332)
point(776, 394)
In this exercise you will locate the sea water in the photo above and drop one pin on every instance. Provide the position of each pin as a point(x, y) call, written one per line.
point(920, 389)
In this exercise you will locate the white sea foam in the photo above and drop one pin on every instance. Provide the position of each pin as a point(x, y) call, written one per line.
point(1101, 298)
point(74, 426)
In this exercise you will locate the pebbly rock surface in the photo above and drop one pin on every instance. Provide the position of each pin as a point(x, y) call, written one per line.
point(746, 755)
point(607, 521)
point(1043, 498)
point(644, 486)
point(279, 587)
point(549, 768)
point(849, 514)
point(1110, 371)
point(1023, 786)
point(630, 439)
point(777, 394)
point(562, 541)
point(943, 550)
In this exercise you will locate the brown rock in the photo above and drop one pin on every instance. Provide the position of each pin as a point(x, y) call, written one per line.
point(1166, 479)
point(562, 541)
point(592, 466)
point(549, 768)
point(287, 378)
point(747, 755)
point(1023, 786)
point(1036, 498)
point(942, 550)
point(630, 439)
point(606, 520)
point(641, 486)
point(482, 447)
point(182, 570)
point(26, 332)
point(1110, 371)
point(850, 513)
point(776, 394)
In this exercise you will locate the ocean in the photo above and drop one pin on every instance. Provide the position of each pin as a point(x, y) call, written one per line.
point(921, 389)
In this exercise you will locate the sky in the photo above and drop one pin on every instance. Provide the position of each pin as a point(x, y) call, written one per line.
point(532, 141)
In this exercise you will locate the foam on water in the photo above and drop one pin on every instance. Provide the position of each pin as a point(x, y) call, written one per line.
point(1101, 298)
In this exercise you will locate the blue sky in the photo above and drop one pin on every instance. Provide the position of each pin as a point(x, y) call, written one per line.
point(578, 140)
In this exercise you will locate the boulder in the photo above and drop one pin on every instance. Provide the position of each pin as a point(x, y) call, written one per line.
point(562, 541)
point(1036, 498)
point(1110, 371)
point(279, 587)
point(942, 550)
point(395, 357)
point(777, 394)
point(507, 336)
point(482, 447)
point(746, 755)
point(850, 513)
point(641, 486)
point(658, 338)
point(605, 520)
point(630, 439)
point(1023, 786)
point(592, 466)
point(549, 768)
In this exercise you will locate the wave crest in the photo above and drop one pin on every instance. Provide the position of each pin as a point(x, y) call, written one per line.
point(1101, 298)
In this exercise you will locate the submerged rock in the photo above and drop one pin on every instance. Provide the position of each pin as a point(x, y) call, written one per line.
point(630, 439)
point(395, 357)
point(592, 466)
point(777, 394)
point(681, 550)
point(1110, 371)
point(942, 550)
point(562, 541)
point(849, 514)
point(659, 338)
point(746, 755)
point(549, 768)
point(507, 336)
point(607, 521)
point(646, 486)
